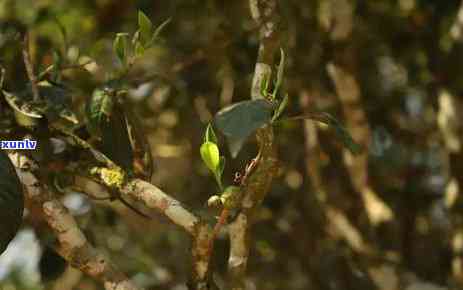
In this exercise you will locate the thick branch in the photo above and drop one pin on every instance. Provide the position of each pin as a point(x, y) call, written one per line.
point(255, 188)
point(155, 198)
point(73, 245)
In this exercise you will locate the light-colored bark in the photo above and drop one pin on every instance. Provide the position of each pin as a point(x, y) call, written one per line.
point(156, 199)
point(72, 243)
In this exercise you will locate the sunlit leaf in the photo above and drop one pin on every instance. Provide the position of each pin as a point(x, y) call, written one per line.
point(11, 201)
point(120, 47)
point(280, 74)
point(264, 86)
point(145, 27)
point(98, 110)
point(139, 49)
point(281, 108)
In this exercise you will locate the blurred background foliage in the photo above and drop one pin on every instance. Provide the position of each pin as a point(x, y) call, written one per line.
point(407, 58)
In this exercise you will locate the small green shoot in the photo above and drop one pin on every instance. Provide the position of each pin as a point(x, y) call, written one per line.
point(210, 155)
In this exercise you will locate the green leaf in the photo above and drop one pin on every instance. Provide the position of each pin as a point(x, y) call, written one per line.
point(145, 27)
point(98, 110)
point(347, 140)
point(139, 49)
point(219, 174)
point(57, 61)
point(11, 201)
point(158, 31)
point(281, 108)
point(62, 30)
point(239, 121)
point(210, 136)
point(280, 74)
point(264, 86)
point(221, 165)
point(120, 47)
point(107, 120)
point(210, 155)
point(340, 132)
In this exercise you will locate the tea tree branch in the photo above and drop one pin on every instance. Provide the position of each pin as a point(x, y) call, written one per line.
point(257, 183)
point(72, 243)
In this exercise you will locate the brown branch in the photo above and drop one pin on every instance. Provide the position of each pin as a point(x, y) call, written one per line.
point(257, 185)
point(239, 251)
point(202, 234)
point(154, 198)
point(52, 67)
point(30, 68)
point(72, 243)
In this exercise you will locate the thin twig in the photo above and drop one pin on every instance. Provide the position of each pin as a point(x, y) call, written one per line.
point(2, 76)
point(50, 68)
point(30, 68)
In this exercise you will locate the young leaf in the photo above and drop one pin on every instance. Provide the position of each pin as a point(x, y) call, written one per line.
point(219, 173)
point(210, 155)
point(158, 30)
point(210, 136)
point(347, 140)
point(98, 110)
point(107, 120)
point(57, 61)
point(281, 108)
point(238, 121)
point(11, 201)
point(145, 27)
point(221, 165)
point(139, 49)
point(340, 132)
point(264, 86)
point(280, 74)
point(120, 47)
